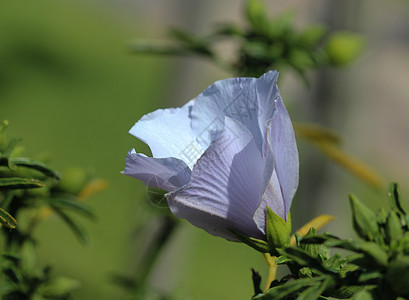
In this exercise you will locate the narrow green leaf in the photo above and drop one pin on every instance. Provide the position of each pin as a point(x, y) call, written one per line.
point(287, 289)
point(257, 244)
point(332, 241)
point(304, 259)
point(32, 164)
point(11, 183)
point(76, 228)
point(58, 287)
point(7, 220)
point(315, 292)
point(72, 204)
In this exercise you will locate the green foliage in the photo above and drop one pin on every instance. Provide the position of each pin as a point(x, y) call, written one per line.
point(343, 47)
point(377, 268)
point(266, 43)
point(277, 231)
point(31, 187)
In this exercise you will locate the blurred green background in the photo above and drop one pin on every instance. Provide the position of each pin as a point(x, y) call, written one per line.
point(71, 90)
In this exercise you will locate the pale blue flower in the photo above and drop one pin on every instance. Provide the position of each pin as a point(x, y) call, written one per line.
point(223, 157)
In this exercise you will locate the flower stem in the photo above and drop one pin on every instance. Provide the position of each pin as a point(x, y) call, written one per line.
point(272, 269)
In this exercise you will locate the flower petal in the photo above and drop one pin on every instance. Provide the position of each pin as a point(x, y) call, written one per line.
point(168, 174)
point(283, 180)
point(225, 186)
point(168, 133)
point(286, 162)
point(246, 100)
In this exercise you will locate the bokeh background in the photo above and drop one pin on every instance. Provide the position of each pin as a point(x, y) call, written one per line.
point(71, 89)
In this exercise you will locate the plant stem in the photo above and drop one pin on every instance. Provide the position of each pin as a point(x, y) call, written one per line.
point(272, 269)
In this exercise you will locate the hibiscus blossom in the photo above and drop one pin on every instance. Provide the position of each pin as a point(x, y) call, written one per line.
point(223, 157)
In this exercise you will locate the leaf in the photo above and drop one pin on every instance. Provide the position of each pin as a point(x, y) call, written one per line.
point(73, 204)
point(333, 241)
point(288, 288)
point(394, 197)
point(364, 220)
point(58, 287)
point(191, 42)
point(363, 295)
point(304, 259)
point(7, 220)
point(32, 164)
point(343, 47)
point(314, 292)
point(374, 254)
point(76, 228)
point(312, 35)
point(257, 244)
point(317, 223)
point(256, 15)
point(11, 183)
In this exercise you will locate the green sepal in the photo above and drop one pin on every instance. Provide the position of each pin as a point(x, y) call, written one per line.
point(364, 220)
point(277, 231)
point(257, 244)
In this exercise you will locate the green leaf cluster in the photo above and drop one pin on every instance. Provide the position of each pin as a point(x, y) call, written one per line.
point(265, 43)
point(376, 268)
point(30, 191)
